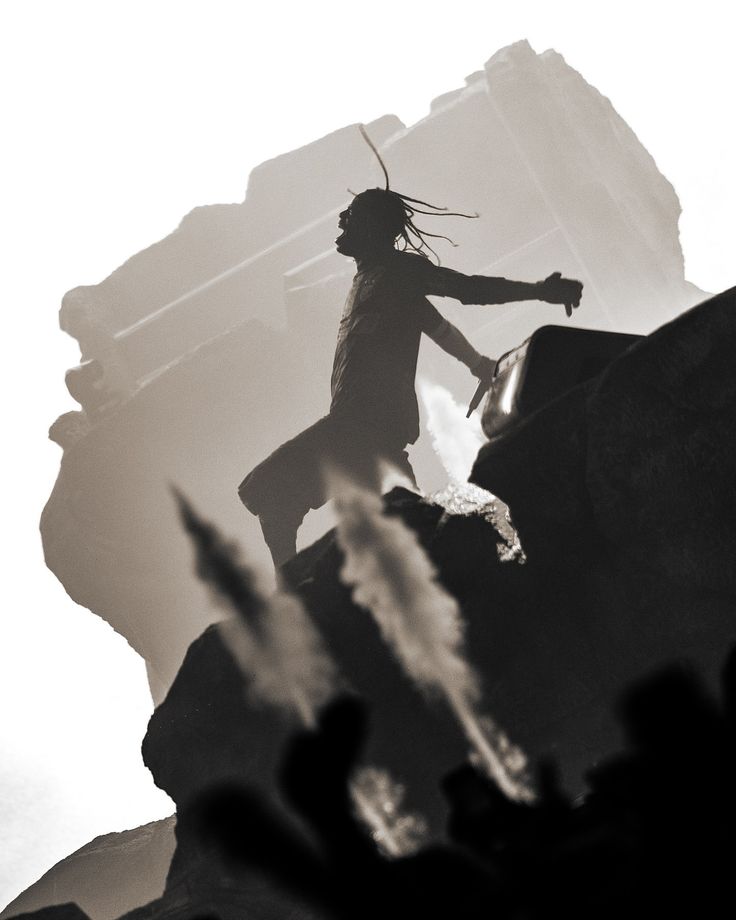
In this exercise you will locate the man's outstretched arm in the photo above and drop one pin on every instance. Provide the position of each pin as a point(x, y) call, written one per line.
point(484, 289)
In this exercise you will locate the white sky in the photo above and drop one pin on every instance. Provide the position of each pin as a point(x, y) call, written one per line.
point(118, 118)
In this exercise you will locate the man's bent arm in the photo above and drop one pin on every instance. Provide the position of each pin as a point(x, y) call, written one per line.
point(451, 340)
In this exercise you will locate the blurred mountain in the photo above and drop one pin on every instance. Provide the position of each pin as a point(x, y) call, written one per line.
point(105, 878)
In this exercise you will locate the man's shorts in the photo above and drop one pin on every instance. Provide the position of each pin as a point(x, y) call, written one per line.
point(292, 479)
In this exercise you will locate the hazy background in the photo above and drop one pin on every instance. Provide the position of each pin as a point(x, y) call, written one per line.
point(120, 118)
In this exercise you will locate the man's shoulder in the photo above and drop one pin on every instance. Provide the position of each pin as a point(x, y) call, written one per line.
point(406, 257)
point(411, 265)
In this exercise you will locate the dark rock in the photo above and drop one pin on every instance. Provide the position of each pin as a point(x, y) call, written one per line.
point(600, 601)
point(620, 578)
point(206, 731)
point(69, 911)
point(623, 493)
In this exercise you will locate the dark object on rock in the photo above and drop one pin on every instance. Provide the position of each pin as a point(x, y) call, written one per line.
point(549, 363)
point(641, 457)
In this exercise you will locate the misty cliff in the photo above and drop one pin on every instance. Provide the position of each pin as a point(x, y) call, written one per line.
point(207, 350)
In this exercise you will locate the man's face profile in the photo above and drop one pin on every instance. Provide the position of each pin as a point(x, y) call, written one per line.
point(343, 237)
point(362, 228)
point(358, 230)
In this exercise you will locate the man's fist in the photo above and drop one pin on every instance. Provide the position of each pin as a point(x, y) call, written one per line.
point(556, 289)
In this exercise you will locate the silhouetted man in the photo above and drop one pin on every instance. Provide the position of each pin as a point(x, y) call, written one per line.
point(374, 413)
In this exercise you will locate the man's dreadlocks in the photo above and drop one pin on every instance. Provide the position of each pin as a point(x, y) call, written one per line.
point(396, 212)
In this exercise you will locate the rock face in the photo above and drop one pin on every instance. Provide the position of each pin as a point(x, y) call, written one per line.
point(106, 878)
point(644, 457)
point(209, 349)
point(629, 509)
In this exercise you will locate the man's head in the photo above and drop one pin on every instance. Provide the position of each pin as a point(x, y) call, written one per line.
point(378, 219)
point(371, 223)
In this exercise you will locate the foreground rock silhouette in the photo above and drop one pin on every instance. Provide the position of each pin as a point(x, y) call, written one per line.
point(623, 575)
point(623, 491)
point(654, 836)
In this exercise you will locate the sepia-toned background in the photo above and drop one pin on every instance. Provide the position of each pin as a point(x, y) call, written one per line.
point(119, 120)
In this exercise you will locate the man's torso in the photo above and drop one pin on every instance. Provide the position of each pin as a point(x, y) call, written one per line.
point(378, 344)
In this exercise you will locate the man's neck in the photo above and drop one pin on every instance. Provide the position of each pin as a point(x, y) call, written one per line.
point(373, 257)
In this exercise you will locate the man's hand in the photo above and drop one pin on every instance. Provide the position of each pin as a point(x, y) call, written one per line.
point(556, 289)
point(484, 369)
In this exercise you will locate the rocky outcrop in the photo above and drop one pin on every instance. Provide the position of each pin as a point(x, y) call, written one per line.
point(207, 350)
point(643, 457)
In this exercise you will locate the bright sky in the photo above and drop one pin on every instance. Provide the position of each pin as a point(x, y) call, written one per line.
point(118, 118)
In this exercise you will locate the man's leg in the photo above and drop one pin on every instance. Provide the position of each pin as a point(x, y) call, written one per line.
point(279, 532)
point(280, 517)
point(399, 460)
point(281, 490)
point(365, 451)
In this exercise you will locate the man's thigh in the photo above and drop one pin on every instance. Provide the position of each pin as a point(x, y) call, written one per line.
point(294, 478)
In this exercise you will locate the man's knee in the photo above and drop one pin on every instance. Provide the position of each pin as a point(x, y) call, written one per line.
point(244, 495)
point(280, 539)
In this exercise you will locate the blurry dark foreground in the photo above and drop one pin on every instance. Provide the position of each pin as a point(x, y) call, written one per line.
point(654, 836)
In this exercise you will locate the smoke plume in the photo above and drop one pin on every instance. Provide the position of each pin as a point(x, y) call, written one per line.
point(281, 656)
point(456, 439)
point(272, 639)
point(392, 576)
